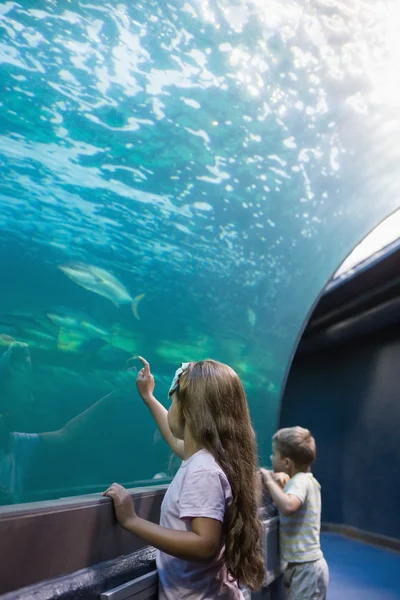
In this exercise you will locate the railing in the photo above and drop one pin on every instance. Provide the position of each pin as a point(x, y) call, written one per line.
point(145, 587)
point(64, 549)
point(142, 588)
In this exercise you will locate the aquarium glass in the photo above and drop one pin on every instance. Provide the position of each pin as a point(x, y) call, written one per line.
point(178, 180)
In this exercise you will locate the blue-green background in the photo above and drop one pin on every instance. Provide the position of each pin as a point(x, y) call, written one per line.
point(220, 157)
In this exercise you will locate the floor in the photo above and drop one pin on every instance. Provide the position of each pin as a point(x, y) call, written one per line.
point(359, 571)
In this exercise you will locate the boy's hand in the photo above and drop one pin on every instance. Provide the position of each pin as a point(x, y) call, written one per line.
point(145, 381)
point(281, 479)
point(266, 476)
point(286, 503)
point(123, 504)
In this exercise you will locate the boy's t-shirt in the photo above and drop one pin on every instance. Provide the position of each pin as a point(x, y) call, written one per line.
point(199, 489)
point(300, 532)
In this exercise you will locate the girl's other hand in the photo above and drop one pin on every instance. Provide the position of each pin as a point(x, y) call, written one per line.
point(123, 504)
point(145, 381)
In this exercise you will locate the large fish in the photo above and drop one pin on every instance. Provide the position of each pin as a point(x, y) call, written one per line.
point(101, 282)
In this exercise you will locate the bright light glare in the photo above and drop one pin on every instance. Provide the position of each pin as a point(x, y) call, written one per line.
point(382, 236)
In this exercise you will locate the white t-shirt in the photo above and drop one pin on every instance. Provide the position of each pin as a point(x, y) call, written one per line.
point(300, 532)
point(199, 489)
point(15, 464)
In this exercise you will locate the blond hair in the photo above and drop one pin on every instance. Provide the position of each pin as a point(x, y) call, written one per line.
point(297, 444)
point(213, 403)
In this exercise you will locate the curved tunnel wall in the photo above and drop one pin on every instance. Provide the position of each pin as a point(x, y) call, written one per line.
point(348, 395)
point(223, 162)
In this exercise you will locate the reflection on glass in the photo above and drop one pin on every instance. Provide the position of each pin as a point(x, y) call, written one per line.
point(178, 180)
point(21, 453)
point(372, 246)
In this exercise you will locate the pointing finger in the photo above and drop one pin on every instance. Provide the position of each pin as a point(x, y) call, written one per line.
point(146, 366)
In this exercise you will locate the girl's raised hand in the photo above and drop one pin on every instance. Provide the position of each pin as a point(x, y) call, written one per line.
point(145, 381)
point(123, 504)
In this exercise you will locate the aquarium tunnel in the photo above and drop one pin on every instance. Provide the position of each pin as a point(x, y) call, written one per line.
point(189, 180)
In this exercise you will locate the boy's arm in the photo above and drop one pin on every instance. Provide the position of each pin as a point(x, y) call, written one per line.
point(286, 503)
point(281, 479)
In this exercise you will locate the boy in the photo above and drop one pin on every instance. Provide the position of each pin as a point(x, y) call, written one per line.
point(306, 575)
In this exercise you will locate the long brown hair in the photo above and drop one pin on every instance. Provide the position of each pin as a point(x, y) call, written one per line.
point(214, 406)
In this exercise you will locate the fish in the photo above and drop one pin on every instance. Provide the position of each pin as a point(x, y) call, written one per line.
point(160, 476)
point(75, 321)
point(125, 340)
point(94, 329)
point(70, 341)
point(63, 321)
point(8, 329)
point(101, 282)
point(6, 340)
point(251, 317)
point(98, 281)
point(29, 328)
point(34, 333)
point(135, 304)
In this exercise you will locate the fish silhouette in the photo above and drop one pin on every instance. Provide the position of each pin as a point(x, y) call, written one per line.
point(103, 283)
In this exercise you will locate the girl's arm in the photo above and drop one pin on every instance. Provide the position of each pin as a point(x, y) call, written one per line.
point(159, 414)
point(201, 543)
point(145, 386)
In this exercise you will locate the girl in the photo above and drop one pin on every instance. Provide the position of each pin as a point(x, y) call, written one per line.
point(209, 537)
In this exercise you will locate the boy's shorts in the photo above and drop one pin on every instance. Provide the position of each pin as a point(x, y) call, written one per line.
point(307, 581)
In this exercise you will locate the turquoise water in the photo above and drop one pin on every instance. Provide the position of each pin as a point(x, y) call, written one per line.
point(219, 158)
